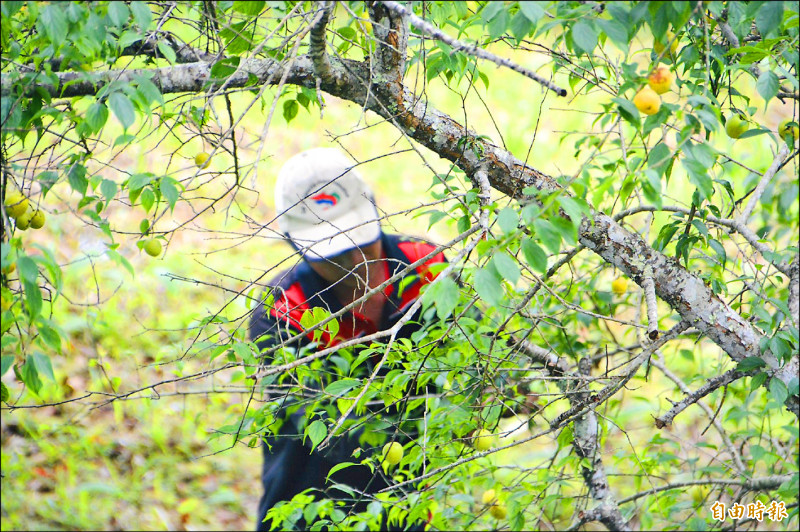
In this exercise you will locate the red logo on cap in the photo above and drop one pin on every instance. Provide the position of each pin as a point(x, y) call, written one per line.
point(328, 200)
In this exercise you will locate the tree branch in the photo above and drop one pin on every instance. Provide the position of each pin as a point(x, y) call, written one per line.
point(471, 49)
point(710, 386)
point(317, 50)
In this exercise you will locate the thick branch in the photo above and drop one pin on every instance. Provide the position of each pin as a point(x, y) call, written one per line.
point(391, 32)
point(317, 51)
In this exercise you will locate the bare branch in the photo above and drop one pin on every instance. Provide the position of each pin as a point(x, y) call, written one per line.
point(749, 484)
point(783, 152)
point(710, 386)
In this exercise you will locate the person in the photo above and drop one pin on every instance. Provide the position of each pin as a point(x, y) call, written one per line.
point(327, 213)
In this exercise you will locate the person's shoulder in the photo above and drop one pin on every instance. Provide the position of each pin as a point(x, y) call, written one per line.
point(415, 248)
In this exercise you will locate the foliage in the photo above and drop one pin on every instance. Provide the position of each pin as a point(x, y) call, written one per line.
point(85, 110)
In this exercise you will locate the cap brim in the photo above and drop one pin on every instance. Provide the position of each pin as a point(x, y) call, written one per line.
point(355, 228)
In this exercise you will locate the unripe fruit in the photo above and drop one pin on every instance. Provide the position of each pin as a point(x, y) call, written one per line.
point(498, 511)
point(619, 286)
point(658, 47)
point(37, 220)
point(152, 247)
point(660, 80)
point(785, 129)
point(202, 159)
point(392, 453)
point(647, 101)
point(24, 220)
point(16, 204)
point(483, 440)
point(489, 497)
point(735, 126)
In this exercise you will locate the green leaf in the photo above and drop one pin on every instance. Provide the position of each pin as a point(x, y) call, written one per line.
point(29, 375)
point(137, 181)
point(628, 111)
point(43, 365)
point(719, 249)
point(4, 395)
point(142, 15)
point(54, 22)
point(317, 432)
point(615, 31)
point(290, 109)
point(443, 295)
point(339, 467)
point(584, 36)
point(5, 363)
point(532, 10)
point(548, 234)
point(767, 85)
point(109, 189)
point(169, 189)
point(535, 255)
point(77, 178)
point(757, 380)
point(750, 363)
point(659, 157)
point(96, 117)
point(118, 13)
point(50, 336)
point(122, 108)
point(148, 198)
point(508, 219)
point(698, 176)
point(778, 390)
point(341, 386)
point(769, 17)
point(506, 267)
point(28, 271)
point(33, 298)
point(488, 287)
point(248, 8)
point(167, 51)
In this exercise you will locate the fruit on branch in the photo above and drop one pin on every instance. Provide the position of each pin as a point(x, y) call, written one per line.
point(659, 47)
point(785, 128)
point(152, 247)
point(484, 440)
point(202, 160)
point(660, 80)
point(647, 101)
point(24, 220)
point(16, 204)
point(496, 509)
point(619, 286)
point(37, 220)
point(736, 125)
point(392, 453)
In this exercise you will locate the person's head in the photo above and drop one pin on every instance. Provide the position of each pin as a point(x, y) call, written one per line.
point(327, 212)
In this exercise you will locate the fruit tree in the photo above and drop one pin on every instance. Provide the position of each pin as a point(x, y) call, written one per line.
point(614, 340)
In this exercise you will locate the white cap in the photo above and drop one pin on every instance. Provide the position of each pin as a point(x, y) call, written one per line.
point(323, 205)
